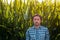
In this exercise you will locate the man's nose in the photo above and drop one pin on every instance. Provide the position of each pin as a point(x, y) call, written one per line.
point(36, 20)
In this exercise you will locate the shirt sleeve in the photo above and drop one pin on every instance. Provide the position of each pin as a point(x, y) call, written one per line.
point(47, 37)
point(27, 35)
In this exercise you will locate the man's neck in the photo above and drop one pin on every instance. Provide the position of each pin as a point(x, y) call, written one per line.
point(37, 26)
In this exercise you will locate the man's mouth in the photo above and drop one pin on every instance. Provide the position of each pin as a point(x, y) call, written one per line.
point(36, 22)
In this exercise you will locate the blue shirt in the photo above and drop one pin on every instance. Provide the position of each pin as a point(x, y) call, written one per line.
point(41, 33)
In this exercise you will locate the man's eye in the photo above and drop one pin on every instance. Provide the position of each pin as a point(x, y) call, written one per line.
point(35, 19)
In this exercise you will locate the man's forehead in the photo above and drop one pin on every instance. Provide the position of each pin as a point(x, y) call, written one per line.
point(36, 17)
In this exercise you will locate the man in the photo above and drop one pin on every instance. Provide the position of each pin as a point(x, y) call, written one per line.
point(37, 32)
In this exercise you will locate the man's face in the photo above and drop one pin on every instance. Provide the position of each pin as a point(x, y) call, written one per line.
point(36, 20)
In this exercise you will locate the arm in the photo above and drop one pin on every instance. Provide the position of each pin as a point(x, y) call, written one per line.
point(47, 37)
point(27, 35)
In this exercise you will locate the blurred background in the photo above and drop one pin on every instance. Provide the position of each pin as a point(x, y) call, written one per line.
point(16, 17)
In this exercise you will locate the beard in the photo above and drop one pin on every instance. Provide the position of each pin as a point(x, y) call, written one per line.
point(36, 24)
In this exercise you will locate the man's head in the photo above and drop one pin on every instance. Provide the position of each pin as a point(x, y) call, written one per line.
point(37, 19)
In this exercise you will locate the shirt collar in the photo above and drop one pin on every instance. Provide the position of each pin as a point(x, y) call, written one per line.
point(38, 28)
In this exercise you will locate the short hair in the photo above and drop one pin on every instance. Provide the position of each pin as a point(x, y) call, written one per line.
point(37, 15)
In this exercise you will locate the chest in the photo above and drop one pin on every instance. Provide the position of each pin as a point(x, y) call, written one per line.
point(37, 34)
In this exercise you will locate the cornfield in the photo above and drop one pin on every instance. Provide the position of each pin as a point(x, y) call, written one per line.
point(16, 17)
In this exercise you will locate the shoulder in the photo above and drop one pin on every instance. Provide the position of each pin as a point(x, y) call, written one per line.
point(30, 29)
point(44, 28)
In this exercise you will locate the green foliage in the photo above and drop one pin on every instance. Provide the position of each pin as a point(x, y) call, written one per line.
point(16, 18)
